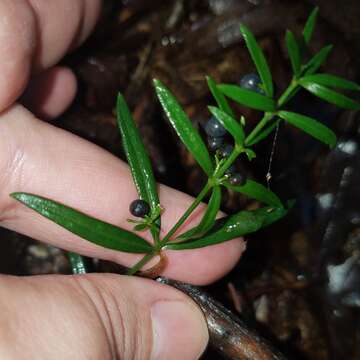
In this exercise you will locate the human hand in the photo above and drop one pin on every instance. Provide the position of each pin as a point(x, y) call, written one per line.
point(89, 316)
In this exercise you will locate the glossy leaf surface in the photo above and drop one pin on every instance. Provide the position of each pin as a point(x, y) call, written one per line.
point(138, 159)
point(229, 123)
point(231, 227)
point(310, 126)
point(310, 25)
point(183, 127)
point(259, 60)
point(219, 97)
point(331, 81)
point(257, 191)
point(294, 52)
point(208, 219)
point(330, 95)
point(248, 98)
point(315, 62)
point(96, 231)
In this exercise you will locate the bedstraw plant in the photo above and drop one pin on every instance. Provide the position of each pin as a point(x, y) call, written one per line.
point(216, 165)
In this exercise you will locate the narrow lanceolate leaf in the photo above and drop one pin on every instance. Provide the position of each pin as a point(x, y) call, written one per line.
point(138, 159)
point(263, 134)
point(231, 227)
point(330, 95)
point(294, 52)
point(257, 191)
point(248, 98)
point(183, 127)
point(260, 62)
point(88, 228)
point(219, 97)
point(230, 124)
point(315, 62)
point(310, 126)
point(208, 219)
point(331, 81)
point(310, 25)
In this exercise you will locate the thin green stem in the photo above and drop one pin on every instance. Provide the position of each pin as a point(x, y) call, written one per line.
point(140, 263)
point(288, 93)
point(261, 124)
point(186, 214)
point(235, 153)
point(78, 263)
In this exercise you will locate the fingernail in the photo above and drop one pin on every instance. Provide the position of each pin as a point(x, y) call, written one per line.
point(179, 330)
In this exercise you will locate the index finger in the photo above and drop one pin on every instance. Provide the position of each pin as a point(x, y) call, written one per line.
point(36, 34)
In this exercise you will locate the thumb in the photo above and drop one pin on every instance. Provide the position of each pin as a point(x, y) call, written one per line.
point(97, 317)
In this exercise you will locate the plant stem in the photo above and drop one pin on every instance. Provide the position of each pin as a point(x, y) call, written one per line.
point(140, 263)
point(78, 263)
point(235, 153)
point(288, 93)
point(261, 124)
point(186, 214)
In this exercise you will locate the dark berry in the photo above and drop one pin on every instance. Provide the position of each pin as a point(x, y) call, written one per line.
point(237, 179)
point(230, 170)
point(252, 82)
point(139, 208)
point(226, 150)
point(214, 129)
point(215, 143)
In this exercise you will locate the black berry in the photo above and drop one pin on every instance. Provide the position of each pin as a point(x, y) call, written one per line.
point(226, 150)
point(214, 129)
point(215, 143)
point(139, 208)
point(230, 170)
point(237, 179)
point(252, 82)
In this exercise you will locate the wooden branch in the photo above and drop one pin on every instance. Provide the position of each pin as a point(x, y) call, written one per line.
point(229, 335)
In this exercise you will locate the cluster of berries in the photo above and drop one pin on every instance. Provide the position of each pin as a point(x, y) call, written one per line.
point(217, 134)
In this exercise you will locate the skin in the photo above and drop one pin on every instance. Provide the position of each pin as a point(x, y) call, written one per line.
point(97, 316)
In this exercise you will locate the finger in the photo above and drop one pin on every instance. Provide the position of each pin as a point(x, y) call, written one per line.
point(62, 25)
point(97, 317)
point(50, 93)
point(38, 158)
point(35, 34)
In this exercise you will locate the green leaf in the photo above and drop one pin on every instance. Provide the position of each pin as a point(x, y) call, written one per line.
point(315, 62)
point(310, 126)
point(257, 191)
point(294, 52)
point(183, 127)
point(310, 25)
point(332, 81)
point(263, 134)
point(219, 97)
point(329, 95)
point(248, 97)
point(96, 231)
point(259, 60)
point(208, 219)
point(231, 227)
point(250, 154)
point(138, 160)
point(230, 124)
